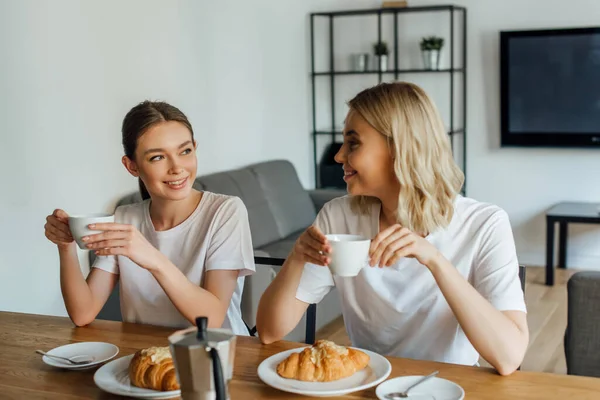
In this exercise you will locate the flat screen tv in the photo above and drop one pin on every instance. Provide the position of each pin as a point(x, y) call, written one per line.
point(550, 87)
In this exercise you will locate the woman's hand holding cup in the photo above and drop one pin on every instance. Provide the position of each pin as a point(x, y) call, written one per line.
point(312, 247)
point(57, 229)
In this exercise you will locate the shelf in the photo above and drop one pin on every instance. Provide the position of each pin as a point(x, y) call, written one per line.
point(319, 133)
point(399, 71)
point(386, 10)
point(331, 128)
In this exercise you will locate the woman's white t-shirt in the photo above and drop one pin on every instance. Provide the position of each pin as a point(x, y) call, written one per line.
point(216, 236)
point(399, 310)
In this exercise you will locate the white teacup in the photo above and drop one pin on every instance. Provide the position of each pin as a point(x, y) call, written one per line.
point(79, 225)
point(350, 253)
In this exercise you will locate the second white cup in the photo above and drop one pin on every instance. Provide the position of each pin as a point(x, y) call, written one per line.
point(350, 253)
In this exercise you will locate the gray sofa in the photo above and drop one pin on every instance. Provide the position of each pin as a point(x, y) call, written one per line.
point(582, 337)
point(279, 210)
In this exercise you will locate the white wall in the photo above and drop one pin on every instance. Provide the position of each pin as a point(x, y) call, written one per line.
point(70, 70)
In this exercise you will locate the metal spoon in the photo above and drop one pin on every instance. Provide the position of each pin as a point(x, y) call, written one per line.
point(76, 360)
point(403, 395)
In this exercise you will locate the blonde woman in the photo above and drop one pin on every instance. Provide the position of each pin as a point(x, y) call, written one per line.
point(443, 283)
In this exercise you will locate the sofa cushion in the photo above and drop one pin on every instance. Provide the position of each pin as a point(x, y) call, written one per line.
point(289, 202)
point(281, 248)
point(582, 337)
point(243, 184)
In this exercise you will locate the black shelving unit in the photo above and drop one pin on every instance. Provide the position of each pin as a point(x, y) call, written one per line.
point(332, 73)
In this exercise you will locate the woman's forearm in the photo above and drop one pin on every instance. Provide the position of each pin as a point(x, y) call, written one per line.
point(279, 310)
point(74, 288)
point(495, 336)
point(191, 300)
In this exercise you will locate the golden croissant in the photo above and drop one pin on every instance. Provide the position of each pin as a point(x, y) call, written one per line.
point(323, 362)
point(153, 368)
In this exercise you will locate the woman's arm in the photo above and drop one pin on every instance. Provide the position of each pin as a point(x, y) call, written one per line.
point(228, 248)
point(500, 337)
point(279, 311)
point(193, 301)
point(83, 298)
point(190, 300)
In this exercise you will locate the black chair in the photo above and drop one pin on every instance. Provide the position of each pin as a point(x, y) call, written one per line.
point(111, 311)
point(522, 275)
point(311, 312)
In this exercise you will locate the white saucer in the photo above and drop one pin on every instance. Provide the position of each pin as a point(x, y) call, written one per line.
point(378, 370)
point(99, 351)
point(432, 389)
point(114, 378)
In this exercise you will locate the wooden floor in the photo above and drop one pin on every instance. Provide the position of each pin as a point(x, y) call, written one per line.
point(547, 318)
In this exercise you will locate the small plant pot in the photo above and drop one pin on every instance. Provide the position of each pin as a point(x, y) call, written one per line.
point(382, 62)
point(360, 62)
point(431, 59)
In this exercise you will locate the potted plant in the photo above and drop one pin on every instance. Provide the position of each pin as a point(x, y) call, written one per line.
point(430, 49)
point(381, 55)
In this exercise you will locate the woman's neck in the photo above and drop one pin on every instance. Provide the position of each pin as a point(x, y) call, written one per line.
point(389, 211)
point(167, 214)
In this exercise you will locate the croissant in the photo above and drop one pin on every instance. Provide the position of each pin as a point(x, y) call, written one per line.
point(153, 368)
point(323, 362)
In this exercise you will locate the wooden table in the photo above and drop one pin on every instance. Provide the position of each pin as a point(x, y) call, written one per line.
point(23, 375)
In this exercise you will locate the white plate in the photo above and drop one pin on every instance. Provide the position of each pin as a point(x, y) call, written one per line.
point(114, 378)
point(432, 389)
point(377, 371)
point(99, 351)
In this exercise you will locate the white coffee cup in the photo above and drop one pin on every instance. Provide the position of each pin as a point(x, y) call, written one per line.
point(79, 226)
point(349, 254)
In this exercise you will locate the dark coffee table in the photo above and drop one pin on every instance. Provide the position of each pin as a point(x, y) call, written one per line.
point(565, 213)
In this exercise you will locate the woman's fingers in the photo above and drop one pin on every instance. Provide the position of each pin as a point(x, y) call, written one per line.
point(404, 252)
point(385, 243)
point(382, 235)
point(318, 245)
point(105, 244)
point(314, 254)
point(314, 244)
point(110, 226)
point(61, 215)
point(312, 247)
point(316, 234)
point(54, 233)
point(58, 224)
point(106, 235)
point(394, 249)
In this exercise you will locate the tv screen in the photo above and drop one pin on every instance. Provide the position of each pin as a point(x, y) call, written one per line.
point(550, 87)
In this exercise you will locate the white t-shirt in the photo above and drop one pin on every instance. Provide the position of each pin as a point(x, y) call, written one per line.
point(399, 310)
point(216, 236)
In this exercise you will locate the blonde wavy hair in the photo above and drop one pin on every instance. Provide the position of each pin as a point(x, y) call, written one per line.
point(429, 178)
